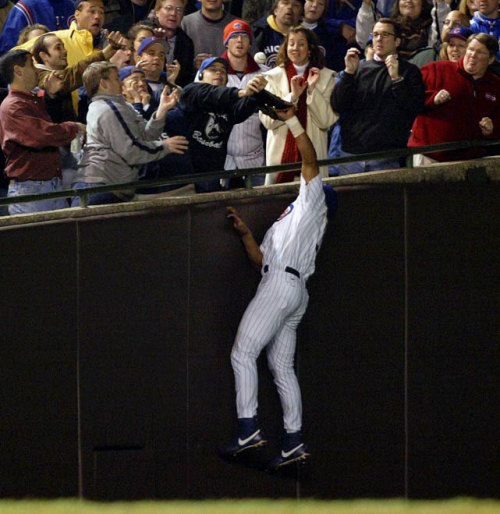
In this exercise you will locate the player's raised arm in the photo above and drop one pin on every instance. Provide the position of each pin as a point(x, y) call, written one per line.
point(309, 161)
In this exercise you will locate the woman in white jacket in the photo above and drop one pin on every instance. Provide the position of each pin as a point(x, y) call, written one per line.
point(300, 77)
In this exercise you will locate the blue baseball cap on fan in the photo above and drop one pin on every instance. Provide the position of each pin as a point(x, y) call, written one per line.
point(208, 62)
point(152, 40)
point(126, 71)
point(460, 32)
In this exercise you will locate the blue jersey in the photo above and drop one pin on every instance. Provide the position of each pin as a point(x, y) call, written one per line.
point(55, 14)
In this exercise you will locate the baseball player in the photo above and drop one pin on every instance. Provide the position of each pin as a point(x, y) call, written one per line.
point(286, 260)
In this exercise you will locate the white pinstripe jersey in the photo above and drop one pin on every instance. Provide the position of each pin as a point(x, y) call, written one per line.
point(245, 148)
point(295, 237)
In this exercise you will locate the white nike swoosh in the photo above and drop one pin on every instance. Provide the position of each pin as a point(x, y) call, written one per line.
point(285, 455)
point(242, 442)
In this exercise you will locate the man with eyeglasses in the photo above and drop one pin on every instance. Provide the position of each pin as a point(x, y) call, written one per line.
point(453, 19)
point(169, 15)
point(377, 100)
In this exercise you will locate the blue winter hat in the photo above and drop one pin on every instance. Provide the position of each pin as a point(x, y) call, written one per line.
point(331, 200)
point(126, 71)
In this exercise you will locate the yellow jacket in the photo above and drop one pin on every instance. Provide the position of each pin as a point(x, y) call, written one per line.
point(78, 43)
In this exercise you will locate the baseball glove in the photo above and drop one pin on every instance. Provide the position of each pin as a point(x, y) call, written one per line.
point(269, 104)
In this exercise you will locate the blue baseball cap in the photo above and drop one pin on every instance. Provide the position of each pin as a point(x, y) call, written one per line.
point(152, 40)
point(460, 32)
point(126, 71)
point(208, 62)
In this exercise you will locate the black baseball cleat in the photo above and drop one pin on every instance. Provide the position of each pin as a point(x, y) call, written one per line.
point(249, 436)
point(239, 445)
point(293, 450)
point(297, 454)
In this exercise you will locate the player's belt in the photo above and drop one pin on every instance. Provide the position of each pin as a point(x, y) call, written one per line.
point(287, 269)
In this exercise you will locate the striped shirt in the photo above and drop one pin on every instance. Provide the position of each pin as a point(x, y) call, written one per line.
point(295, 237)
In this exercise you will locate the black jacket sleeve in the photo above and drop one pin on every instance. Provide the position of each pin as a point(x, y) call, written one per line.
point(410, 92)
point(220, 99)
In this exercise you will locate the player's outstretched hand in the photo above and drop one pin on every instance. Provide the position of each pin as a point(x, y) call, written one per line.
point(238, 224)
point(286, 114)
point(176, 144)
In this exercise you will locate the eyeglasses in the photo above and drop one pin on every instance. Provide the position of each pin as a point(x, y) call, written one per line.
point(383, 35)
point(171, 8)
point(217, 69)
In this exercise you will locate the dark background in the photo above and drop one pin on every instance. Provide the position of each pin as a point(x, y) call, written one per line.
point(116, 334)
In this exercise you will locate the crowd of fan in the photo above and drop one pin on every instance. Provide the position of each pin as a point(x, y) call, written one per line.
point(99, 92)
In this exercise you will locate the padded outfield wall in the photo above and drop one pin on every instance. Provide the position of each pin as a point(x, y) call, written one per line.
point(117, 325)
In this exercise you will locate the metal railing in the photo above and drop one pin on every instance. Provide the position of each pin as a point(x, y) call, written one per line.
point(84, 193)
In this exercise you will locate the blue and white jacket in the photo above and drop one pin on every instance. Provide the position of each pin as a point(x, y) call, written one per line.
point(55, 14)
point(491, 26)
point(119, 141)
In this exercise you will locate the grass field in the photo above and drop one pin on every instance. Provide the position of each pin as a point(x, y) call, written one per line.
point(456, 506)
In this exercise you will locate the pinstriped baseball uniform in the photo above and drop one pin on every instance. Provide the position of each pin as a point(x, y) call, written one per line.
point(245, 148)
point(272, 317)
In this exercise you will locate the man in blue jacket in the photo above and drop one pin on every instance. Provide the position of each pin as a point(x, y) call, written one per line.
point(487, 19)
point(53, 13)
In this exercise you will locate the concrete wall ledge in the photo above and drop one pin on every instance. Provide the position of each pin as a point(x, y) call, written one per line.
point(481, 170)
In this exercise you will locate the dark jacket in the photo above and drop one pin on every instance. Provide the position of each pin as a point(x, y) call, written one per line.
point(122, 14)
point(378, 113)
point(184, 53)
point(267, 40)
point(30, 139)
point(205, 115)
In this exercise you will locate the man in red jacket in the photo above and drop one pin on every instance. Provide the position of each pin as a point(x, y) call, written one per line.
point(462, 103)
point(28, 136)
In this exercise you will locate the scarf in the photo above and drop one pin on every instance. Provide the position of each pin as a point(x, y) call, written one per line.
point(414, 34)
point(291, 152)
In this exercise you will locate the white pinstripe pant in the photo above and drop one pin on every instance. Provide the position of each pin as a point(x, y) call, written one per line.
point(271, 320)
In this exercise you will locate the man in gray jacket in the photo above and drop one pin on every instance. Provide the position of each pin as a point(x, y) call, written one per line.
point(119, 140)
